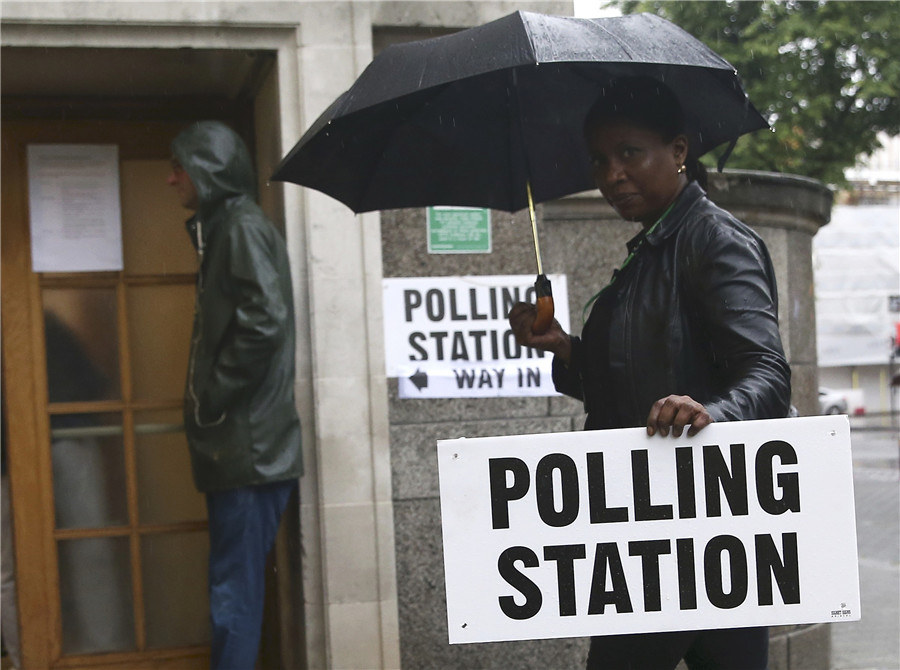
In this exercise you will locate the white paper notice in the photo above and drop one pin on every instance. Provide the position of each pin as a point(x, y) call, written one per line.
point(76, 219)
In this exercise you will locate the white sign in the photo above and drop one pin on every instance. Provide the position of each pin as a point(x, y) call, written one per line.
point(448, 337)
point(76, 220)
point(607, 532)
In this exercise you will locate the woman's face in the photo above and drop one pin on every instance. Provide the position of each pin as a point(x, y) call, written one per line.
point(635, 169)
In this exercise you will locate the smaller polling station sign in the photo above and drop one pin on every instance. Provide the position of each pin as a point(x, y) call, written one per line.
point(608, 532)
point(448, 337)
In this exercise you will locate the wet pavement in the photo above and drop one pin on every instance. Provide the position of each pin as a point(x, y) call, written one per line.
point(873, 643)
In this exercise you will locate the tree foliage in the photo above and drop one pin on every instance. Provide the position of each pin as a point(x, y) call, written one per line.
point(826, 75)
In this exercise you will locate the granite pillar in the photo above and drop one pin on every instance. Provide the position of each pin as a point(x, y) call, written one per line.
point(582, 237)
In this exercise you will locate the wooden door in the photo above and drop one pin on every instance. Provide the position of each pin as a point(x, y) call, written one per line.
point(110, 533)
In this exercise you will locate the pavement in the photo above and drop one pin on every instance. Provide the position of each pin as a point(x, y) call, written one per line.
point(873, 643)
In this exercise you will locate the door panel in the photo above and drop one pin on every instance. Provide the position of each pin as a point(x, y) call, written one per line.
point(159, 356)
point(176, 603)
point(111, 535)
point(89, 481)
point(81, 343)
point(95, 595)
point(166, 492)
point(154, 238)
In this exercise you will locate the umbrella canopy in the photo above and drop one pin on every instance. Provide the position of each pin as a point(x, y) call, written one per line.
point(473, 118)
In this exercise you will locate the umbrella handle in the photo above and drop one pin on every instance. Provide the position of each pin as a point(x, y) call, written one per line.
point(543, 291)
point(544, 305)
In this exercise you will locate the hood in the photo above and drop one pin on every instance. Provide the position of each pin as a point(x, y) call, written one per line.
point(217, 161)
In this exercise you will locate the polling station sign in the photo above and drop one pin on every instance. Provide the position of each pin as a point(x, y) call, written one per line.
point(448, 337)
point(606, 532)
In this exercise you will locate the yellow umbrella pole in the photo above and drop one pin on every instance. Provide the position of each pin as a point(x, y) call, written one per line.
point(543, 290)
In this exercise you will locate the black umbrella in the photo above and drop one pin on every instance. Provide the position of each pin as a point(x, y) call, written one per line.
point(492, 116)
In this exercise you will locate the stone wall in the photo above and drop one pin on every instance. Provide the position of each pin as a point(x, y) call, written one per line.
point(582, 237)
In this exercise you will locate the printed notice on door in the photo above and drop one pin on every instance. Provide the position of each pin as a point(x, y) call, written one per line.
point(76, 220)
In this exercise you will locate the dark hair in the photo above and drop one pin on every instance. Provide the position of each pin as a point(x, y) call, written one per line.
point(650, 104)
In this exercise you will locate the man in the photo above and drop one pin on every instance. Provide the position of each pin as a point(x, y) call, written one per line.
point(240, 418)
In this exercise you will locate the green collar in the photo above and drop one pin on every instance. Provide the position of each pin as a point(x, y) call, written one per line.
point(625, 263)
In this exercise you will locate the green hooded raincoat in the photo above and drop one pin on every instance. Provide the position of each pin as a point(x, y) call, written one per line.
point(240, 417)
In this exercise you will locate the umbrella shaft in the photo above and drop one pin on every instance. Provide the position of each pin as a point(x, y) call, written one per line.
point(537, 245)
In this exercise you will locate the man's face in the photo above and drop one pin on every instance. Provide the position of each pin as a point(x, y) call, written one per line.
point(184, 187)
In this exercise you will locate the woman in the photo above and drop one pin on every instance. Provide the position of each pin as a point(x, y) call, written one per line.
point(685, 334)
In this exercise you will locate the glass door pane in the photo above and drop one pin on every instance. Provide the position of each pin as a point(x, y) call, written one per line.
point(159, 333)
point(176, 600)
point(166, 492)
point(82, 345)
point(95, 595)
point(154, 238)
point(89, 485)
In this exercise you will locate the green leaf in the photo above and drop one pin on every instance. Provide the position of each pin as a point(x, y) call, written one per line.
point(826, 74)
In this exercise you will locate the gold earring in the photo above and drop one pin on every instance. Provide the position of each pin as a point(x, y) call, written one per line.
point(681, 169)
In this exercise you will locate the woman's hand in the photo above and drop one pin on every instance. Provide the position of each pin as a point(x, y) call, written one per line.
point(555, 339)
point(673, 413)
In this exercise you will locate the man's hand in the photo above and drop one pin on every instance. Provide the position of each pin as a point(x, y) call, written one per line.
point(673, 413)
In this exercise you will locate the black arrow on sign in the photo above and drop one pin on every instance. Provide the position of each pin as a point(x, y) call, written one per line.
point(420, 379)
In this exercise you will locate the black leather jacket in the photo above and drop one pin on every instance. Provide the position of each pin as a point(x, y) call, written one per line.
point(694, 313)
point(240, 417)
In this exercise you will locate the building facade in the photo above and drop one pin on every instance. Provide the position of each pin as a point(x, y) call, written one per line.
point(107, 524)
point(131, 74)
point(857, 268)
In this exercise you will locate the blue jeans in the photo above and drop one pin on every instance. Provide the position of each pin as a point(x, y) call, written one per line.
point(242, 527)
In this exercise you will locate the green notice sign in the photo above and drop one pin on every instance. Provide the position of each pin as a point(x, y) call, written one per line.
point(459, 230)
